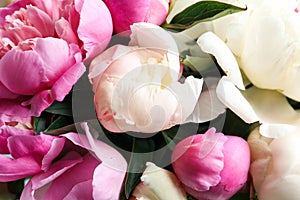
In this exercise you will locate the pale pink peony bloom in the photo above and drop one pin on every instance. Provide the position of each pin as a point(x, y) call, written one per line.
point(137, 87)
point(87, 169)
point(212, 165)
point(127, 12)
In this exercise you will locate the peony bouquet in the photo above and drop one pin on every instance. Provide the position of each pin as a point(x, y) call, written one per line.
point(149, 99)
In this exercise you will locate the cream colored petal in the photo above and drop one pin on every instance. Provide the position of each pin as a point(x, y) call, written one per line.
point(212, 44)
point(159, 184)
point(148, 35)
point(231, 97)
point(208, 106)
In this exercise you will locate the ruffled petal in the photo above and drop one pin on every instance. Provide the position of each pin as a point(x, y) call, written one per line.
point(212, 44)
point(105, 175)
point(152, 36)
point(198, 160)
point(40, 20)
point(208, 106)
point(16, 74)
point(26, 145)
point(63, 184)
point(82, 190)
point(94, 31)
point(231, 97)
point(11, 170)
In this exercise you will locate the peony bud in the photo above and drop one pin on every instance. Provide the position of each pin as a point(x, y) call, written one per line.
point(275, 162)
point(212, 165)
point(127, 12)
point(158, 183)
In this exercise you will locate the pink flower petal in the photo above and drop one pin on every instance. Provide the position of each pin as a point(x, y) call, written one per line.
point(39, 102)
point(82, 190)
point(65, 83)
point(64, 30)
point(198, 160)
point(55, 149)
point(16, 74)
point(11, 170)
point(26, 145)
point(106, 176)
point(11, 110)
point(40, 20)
point(6, 132)
point(62, 185)
point(57, 169)
point(94, 31)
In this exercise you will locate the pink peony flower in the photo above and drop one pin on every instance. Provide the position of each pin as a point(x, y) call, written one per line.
point(37, 75)
point(28, 157)
point(212, 165)
point(88, 169)
point(85, 23)
point(42, 48)
point(127, 12)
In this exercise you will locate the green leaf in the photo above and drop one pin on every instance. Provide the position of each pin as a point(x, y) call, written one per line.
point(40, 123)
point(141, 153)
point(61, 108)
point(61, 121)
point(200, 12)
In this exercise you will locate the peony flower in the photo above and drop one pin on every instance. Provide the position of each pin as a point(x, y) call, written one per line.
point(158, 183)
point(85, 23)
point(42, 48)
point(275, 162)
point(251, 104)
point(268, 61)
point(86, 169)
point(127, 12)
point(37, 76)
point(143, 78)
point(28, 158)
point(212, 165)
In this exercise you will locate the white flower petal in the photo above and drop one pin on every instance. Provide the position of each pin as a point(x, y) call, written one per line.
point(102, 62)
point(208, 106)
point(152, 36)
point(231, 96)
point(212, 44)
point(159, 184)
point(276, 130)
point(271, 106)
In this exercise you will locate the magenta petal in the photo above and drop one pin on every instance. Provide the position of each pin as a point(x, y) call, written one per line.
point(17, 75)
point(27, 192)
point(106, 176)
point(11, 110)
point(11, 170)
point(61, 186)
point(6, 94)
point(6, 132)
point(41, 21)
point(55, 62)
point(57, 169)
point(39, 102)
point(94, 31)
point(26, 145)
point(55, 149)
point(65, 83)
point(198, 160)
point(64, 30)
point(81, 191)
